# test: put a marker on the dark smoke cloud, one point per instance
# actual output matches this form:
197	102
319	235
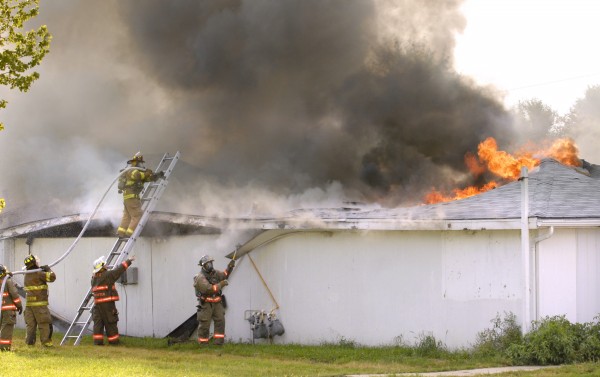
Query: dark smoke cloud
271	103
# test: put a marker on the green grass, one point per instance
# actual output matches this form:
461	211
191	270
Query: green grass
153	357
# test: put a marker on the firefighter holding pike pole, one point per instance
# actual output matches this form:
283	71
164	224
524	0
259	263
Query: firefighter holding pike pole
208	285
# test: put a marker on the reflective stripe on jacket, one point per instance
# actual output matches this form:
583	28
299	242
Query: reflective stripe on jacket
135	180
103	283
36	287
207	286
10	297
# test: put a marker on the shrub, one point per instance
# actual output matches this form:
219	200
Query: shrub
497	340
428	346
588	341
552	340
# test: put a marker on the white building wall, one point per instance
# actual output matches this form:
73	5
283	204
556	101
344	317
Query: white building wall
374	288
162	299
568	284
588	278
379	288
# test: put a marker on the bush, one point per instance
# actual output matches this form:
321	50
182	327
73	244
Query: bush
497	340
554	340
428	346
588	341
550	341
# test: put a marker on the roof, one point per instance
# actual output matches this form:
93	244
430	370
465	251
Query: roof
555	191
558	195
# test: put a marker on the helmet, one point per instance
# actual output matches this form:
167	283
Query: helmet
2	270
31	261
99	264
138	158
205	259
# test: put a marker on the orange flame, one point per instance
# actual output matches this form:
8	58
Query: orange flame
506	166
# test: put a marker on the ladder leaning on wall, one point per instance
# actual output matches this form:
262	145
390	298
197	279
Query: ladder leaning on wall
149	197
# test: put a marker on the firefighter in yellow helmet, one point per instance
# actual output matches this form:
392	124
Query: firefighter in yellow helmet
11	303
131	184
104	313
208	285
37	314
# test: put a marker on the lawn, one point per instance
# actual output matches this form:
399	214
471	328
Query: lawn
154	357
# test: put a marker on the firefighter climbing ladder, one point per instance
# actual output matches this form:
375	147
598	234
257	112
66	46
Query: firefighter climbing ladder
149	197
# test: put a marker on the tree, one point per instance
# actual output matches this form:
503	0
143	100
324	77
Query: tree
582	123
536	120
20	51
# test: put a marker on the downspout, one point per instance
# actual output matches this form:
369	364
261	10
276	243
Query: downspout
526	319
535	251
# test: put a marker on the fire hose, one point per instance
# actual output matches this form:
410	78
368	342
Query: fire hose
70	249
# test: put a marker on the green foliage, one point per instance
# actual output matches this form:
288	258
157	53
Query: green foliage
504	332
20	51
428	346
554	340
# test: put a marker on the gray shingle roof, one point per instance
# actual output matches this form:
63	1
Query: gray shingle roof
556	191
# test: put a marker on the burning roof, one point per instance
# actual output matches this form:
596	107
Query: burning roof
556	192
505	167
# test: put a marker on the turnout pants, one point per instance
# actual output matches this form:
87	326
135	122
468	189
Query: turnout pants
211	311
132	213
9	319
105	317
38	317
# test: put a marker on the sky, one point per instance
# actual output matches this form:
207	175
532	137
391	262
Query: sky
544	49
277	105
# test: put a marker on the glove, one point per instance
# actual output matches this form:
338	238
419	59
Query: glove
223	283
231	264
45	268
161	174
20	310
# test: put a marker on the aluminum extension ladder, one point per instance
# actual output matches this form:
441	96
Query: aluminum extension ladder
149	197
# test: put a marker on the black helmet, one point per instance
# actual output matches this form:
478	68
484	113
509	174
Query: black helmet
31	261
206	263
2	270
205	259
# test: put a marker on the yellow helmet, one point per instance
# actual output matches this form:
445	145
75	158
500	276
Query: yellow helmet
137	158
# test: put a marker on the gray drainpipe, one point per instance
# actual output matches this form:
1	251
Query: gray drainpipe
526	319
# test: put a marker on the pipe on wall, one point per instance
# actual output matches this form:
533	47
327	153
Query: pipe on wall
525	250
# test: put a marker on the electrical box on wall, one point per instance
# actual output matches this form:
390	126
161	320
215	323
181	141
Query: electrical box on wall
130	276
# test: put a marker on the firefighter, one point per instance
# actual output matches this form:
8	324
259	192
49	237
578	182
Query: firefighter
11	302
131	184
104	313
37	314
209	284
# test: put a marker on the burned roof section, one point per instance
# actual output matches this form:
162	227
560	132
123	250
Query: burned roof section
555	191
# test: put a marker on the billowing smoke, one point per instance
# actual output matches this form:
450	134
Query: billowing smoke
273	104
